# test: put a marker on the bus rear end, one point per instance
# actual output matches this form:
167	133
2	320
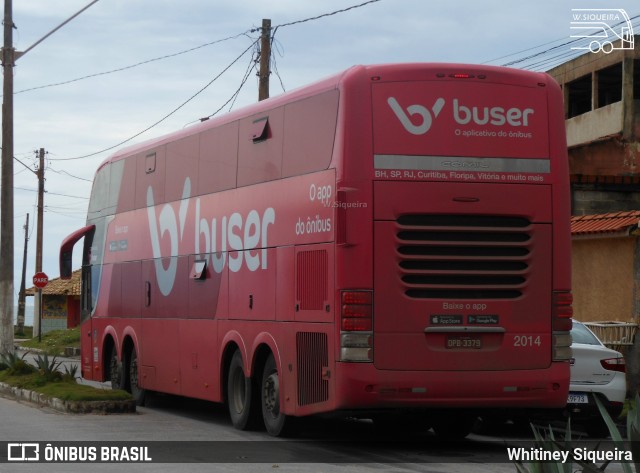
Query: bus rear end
470	303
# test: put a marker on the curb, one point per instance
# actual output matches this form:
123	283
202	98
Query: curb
67	407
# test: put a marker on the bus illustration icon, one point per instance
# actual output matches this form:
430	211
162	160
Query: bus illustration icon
608	29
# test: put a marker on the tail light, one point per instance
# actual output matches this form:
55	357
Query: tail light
356	326
561	320
614	364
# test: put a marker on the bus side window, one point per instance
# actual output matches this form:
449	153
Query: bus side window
311	120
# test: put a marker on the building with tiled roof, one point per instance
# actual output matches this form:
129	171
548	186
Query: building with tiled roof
606	266
60	302
610	224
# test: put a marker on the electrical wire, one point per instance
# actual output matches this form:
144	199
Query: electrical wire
61	171
274	65
544	63
132	66
163	118
324	15
255	58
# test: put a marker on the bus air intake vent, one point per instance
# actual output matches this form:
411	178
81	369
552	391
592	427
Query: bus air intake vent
464	256
312	359
311	279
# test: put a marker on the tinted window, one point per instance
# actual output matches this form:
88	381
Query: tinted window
581	334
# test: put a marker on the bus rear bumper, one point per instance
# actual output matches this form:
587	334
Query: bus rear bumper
362	386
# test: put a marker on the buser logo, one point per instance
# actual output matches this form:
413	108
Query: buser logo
497	116
426	120
463	115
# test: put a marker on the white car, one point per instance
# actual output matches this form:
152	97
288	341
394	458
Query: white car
595	371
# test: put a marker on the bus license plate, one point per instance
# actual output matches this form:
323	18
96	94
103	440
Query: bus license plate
577	398
463	342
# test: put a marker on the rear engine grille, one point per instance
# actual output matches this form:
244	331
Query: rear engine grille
312	358
464	256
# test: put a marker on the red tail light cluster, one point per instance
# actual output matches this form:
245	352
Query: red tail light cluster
562	311
614	364
356	326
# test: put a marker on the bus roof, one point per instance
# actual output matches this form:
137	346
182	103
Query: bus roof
385	72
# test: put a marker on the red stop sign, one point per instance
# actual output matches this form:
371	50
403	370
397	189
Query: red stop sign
40	280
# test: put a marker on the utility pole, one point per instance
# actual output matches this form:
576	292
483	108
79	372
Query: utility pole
265	60
40	218
6	187
22	296
9	55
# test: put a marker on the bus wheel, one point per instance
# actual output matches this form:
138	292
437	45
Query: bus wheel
137	392
239	393
274	420
115	370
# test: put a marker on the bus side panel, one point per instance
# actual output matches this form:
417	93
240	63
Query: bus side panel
285	289
252	294
198	355
160	324
207	290
86	347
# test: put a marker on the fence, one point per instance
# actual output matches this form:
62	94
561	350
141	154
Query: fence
616	335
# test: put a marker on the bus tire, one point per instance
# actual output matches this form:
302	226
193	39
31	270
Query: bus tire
239	393
115	370
136	391
274	420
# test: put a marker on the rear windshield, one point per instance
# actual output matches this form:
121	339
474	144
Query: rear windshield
581	334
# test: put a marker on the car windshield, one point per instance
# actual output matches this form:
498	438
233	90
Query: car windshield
581	334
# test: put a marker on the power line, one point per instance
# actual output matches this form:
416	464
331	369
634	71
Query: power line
68	174
81	217
215	78
234	96
163	118
324	15
52	193
543	58
132	66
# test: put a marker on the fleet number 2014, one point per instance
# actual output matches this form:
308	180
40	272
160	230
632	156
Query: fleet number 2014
526	341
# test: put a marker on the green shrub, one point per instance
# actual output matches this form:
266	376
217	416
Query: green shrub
48	368
70	374
15	364
546	440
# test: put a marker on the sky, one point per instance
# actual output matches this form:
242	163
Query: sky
126	66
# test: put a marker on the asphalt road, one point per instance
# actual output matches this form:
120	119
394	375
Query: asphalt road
183	432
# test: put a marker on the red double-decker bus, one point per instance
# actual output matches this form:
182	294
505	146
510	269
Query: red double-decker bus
391	240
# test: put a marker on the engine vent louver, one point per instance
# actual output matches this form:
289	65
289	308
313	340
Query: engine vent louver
463	256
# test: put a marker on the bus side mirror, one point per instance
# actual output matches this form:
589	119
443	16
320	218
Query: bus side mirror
66	250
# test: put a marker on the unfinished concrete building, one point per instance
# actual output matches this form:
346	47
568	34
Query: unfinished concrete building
602	112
